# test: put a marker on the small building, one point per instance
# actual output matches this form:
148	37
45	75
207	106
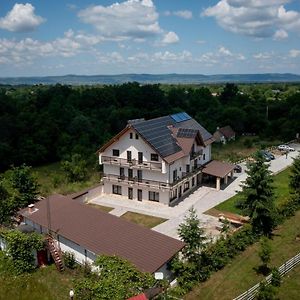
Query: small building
224	134
87	232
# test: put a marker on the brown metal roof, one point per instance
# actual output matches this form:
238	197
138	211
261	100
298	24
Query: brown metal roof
227	131
217	168
103	233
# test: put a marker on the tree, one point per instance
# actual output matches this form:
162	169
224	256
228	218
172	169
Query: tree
7	205
295	176
265	254
75	168
258	202
20	247
193	235
25	184
117	279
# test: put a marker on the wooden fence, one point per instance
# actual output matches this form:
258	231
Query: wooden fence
283	269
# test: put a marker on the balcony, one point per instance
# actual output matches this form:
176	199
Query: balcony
196	154
155	166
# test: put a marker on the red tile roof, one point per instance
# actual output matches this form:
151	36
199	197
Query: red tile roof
103	233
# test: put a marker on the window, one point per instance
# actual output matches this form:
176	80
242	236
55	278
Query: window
130	174
204	156
154	196
174	175
116	152
187	168
140	175
193	181
129	157
130	135
122	173
136	136
117	189
186	186
154	156
140	157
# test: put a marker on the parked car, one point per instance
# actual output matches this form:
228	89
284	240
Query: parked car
285	148
237	169
267	155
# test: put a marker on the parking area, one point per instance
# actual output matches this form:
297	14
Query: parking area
202	200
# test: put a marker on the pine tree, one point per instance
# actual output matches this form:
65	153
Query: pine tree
193	235
295	176
258	202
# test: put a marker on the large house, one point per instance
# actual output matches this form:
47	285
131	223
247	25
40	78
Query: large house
87	232
156	160
224	134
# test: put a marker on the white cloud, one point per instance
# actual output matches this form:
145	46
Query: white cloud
257	18
223	51
185	14
280	34
263	55
21	19
135	19
294	53
170	38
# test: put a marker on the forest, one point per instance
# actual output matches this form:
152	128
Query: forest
41	124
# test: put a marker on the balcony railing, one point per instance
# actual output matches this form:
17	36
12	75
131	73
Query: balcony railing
156	166
196	154
152	183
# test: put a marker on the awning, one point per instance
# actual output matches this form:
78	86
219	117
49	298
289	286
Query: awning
218	168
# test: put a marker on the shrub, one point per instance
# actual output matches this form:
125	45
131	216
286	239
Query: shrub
69	260
276	278
266	292
248	143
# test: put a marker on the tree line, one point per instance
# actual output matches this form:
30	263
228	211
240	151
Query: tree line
42	124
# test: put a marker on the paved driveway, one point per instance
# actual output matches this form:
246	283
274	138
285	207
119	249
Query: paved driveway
202	199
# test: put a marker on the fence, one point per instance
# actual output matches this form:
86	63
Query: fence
283	269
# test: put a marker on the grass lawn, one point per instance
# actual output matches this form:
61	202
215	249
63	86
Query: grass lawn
144	220
291	284
240	274
52	180
237	150
281	182
43	284
101	207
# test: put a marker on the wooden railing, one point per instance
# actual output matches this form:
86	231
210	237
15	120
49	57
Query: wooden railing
156	166
283	270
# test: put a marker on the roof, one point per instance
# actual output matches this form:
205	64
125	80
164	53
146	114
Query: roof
138	297
103	233
227	131
217	168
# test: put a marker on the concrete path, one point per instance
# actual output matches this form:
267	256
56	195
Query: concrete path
202	199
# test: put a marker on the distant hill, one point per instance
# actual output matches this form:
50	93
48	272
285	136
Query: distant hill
150	78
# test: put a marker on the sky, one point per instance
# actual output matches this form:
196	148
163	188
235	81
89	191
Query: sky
87	37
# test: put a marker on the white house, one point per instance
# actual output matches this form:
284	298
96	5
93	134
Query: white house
156	160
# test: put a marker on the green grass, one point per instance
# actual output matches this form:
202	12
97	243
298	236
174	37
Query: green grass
240	274
101	207
144	220
281	185
290	287
52	180
43	284
237	150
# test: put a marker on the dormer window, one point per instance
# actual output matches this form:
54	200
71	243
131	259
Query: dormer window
131	135
136	136
116	152
154	157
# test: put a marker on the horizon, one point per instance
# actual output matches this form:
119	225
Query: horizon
211	37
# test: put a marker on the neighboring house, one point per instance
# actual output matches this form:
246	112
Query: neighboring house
88	232
224	134
156	160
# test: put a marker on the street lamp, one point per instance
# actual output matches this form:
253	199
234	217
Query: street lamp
71	294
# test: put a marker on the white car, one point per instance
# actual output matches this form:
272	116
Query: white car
285	148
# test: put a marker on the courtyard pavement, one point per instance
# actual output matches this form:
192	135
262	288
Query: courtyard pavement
203	199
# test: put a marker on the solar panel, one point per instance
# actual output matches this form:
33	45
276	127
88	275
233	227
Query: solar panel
179	117
186	133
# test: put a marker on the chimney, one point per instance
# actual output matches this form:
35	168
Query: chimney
31	208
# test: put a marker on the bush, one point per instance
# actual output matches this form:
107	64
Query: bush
276	278
248	143
266	292
69	260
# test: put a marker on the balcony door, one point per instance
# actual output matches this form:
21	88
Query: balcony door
130	193
140	157
129	156
140	195
140	175
122	173
130	174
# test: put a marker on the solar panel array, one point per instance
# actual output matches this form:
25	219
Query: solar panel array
182	116
157	133
186	133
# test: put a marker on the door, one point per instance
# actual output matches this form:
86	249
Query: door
140	175
130	193
180	192
140	195
140	157
130	174
122	173
129	157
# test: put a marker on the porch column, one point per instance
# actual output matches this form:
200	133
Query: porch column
231	174
218	183
226	179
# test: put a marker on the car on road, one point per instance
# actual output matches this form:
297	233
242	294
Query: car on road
237	169
268	156
285	148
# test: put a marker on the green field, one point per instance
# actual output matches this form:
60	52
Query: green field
281	185
240	274
144	220
52	180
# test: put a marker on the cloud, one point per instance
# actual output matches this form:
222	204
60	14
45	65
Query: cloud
263	55
185	14
21	19
170	38
136	19
256	18
294	53
280	34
